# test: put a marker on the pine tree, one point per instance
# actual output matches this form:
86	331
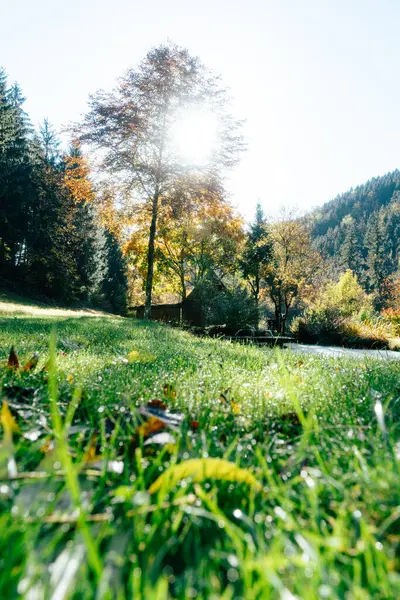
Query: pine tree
115	283
257	253
17	188
376	258
87	246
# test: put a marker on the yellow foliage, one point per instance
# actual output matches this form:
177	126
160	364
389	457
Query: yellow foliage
196	226
200	469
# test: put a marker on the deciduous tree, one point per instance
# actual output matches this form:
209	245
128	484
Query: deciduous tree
133	127
293	265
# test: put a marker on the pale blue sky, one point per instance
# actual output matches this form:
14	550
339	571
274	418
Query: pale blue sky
317	80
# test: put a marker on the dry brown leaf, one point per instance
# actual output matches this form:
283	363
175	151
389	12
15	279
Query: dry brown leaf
169	391
13	362
31	364
150	426
159	404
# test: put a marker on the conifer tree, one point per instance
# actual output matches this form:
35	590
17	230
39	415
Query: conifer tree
257	254
115	284
16	177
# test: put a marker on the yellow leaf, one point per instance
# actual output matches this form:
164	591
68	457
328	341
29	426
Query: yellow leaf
47	447
200	469
133	356
70	378
7	420
143	357
90	454
235	408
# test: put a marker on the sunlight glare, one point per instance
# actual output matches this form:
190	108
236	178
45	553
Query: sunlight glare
194	136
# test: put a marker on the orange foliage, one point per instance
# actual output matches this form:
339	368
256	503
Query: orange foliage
76	177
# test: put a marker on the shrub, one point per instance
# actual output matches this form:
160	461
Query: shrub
232	306
346	298
392	316
343	315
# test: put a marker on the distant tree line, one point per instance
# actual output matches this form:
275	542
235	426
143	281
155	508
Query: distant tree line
52	242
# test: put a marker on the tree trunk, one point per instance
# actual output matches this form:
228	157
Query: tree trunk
256	300
183	285
150	255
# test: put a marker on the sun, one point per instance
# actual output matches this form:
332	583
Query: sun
194	136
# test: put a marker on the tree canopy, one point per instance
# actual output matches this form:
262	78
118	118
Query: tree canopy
133	126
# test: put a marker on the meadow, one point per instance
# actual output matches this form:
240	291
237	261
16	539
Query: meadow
139	461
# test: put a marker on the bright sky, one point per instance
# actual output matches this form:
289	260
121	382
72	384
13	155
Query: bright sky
317	80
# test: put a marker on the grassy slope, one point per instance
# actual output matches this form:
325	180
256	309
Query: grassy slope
326	522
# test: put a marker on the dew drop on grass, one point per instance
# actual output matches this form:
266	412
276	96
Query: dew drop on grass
325	591
233	575
5	490
308	572
289	550
233	560
280	513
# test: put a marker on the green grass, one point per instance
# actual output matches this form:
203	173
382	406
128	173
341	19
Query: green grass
324	524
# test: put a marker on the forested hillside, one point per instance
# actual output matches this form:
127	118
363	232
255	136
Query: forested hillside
360	230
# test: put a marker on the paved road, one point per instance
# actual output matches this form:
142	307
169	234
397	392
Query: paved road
335	351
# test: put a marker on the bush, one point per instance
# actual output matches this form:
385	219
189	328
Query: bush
346	298
343	315
233	306
392	316
341	332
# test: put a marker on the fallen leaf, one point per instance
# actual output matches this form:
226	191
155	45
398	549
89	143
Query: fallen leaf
150	426
169	391
31	364
90	454
13	362
169	418
159	404
144	357
200	469
8	422
235	408
47	447
133	356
